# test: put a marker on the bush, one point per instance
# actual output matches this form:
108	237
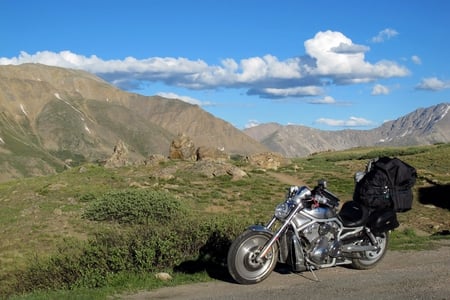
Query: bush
135	207
136	249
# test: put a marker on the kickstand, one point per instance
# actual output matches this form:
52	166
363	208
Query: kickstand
311	269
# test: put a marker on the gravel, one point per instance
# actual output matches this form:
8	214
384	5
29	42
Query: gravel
400	275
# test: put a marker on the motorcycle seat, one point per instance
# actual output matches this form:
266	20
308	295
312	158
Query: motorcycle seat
353	214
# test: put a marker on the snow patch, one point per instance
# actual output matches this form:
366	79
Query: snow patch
87	128
405	133
60	98
445	112
2	141
77	110
23	110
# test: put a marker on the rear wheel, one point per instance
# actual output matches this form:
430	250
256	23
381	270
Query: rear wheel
370	258
241	260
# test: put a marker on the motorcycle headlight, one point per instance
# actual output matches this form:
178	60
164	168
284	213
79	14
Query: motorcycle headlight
282	210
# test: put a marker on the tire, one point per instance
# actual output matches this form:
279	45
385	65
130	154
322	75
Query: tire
371	258
241	262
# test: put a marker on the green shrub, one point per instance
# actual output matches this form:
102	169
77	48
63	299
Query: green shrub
135	207
134	250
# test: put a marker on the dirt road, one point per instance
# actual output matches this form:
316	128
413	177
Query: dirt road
401	275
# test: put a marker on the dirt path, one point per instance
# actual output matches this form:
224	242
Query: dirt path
287	179
401	275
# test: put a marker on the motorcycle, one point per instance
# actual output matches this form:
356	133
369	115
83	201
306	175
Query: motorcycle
307	232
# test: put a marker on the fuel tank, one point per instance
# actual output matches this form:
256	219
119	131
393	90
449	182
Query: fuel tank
321	212
308	214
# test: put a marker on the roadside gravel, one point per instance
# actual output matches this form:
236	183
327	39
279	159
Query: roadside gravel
401	275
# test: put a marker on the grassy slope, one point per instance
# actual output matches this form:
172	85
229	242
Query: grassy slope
37	213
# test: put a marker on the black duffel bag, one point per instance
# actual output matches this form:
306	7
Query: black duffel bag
387	183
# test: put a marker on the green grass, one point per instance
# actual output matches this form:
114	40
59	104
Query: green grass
38	213
131	283
408	239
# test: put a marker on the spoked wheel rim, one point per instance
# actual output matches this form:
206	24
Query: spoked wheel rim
372	256
247	266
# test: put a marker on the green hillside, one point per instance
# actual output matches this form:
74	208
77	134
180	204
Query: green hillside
41	217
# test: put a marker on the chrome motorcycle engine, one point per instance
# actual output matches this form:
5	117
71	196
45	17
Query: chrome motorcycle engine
323	243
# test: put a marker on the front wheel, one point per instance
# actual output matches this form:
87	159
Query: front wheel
370	258
241	260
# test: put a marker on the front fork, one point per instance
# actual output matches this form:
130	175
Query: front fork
263	253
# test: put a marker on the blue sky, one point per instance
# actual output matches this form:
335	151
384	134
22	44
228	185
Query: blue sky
324	64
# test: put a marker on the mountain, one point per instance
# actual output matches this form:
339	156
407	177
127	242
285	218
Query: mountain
53	117
50	115
423	126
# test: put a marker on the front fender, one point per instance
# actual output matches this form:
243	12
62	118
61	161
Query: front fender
259	228
283	250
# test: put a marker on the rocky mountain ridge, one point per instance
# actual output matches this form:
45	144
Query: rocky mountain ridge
52	118
420	127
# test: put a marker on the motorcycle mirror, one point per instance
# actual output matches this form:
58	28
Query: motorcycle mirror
322	183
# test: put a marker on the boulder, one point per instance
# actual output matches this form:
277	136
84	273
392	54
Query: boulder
163	276
154	159
210	153
119	157
212	169
267	160
182	147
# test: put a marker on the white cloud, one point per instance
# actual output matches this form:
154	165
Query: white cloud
324	100
186	99
416	59
293	92
433	84
384	34
351	122
350	48
252	123
379	89
330	58
347	68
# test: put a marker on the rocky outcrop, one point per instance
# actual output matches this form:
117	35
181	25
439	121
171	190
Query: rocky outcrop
182	147
154	159
119	157
267	160
209	153
212	169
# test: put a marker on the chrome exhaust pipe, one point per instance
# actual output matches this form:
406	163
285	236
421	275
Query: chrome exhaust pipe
358	248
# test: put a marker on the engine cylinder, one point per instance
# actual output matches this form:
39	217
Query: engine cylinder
320	251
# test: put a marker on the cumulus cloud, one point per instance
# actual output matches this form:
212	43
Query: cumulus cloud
349	49
344	67
351	122
324	100
252	123
287	92
416	59
379	89
384	34
433	84
331	58
186	99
